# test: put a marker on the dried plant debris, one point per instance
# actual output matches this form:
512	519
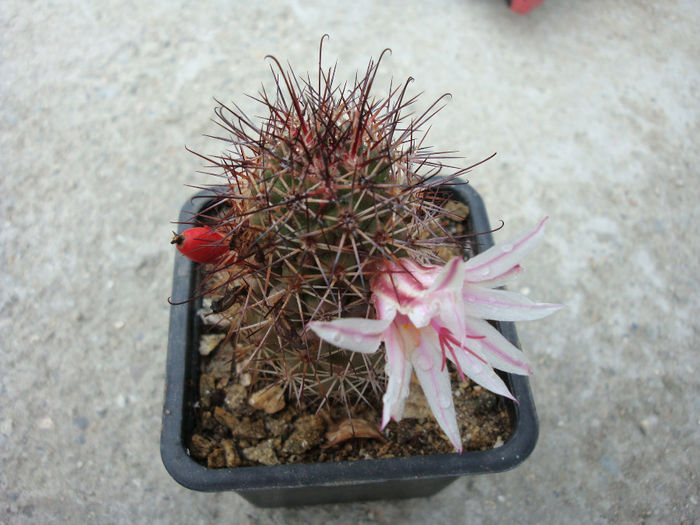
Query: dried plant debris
352	428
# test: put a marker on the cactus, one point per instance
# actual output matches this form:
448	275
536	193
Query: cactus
331	182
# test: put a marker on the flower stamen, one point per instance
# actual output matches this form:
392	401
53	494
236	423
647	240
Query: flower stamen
449	341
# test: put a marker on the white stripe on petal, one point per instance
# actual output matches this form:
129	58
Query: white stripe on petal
398	283
385	309
425	274
427	361
480	372
358	335
496	349
398	371
502	279
451	277
501	305
501	258
421	312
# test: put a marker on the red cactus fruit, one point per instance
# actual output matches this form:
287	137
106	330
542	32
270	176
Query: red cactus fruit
201	244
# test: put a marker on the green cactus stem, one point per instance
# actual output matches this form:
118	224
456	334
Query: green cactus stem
331	182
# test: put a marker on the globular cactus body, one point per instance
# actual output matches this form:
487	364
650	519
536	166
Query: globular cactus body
330	183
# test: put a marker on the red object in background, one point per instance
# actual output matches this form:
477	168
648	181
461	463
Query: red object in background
524	6
202	245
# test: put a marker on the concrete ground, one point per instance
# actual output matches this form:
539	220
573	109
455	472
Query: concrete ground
593	108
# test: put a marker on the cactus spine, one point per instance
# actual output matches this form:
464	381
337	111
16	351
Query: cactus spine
332	182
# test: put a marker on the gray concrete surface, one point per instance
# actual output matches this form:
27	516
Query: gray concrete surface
593	109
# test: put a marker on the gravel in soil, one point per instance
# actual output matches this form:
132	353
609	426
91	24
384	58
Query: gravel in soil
230	432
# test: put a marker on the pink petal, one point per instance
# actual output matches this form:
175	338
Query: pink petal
422	311
451	316
425	274
502	279
398	284
501	258
501	305
443	297
480	373
358	335
451	276
404	288
398	371
386	309
398	289
496	349
427	361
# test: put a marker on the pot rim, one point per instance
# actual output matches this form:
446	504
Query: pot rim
191	474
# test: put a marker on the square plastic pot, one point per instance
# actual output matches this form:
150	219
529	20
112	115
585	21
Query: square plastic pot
332	482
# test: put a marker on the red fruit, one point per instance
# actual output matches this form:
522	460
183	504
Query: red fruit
202	245
524	6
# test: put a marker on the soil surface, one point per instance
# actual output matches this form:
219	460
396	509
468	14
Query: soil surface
230	432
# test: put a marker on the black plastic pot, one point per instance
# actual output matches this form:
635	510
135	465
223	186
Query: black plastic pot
306	484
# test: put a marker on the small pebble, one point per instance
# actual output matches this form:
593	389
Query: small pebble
207	343
235	396
6	426
226	419
276	427
244	379
308	432
647	423
121	401
269	399
200	447
263	452
46	423
207	387
230	454
217	459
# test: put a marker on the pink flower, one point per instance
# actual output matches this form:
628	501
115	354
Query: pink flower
429	314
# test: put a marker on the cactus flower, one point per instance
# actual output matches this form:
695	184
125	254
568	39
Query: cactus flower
429	314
